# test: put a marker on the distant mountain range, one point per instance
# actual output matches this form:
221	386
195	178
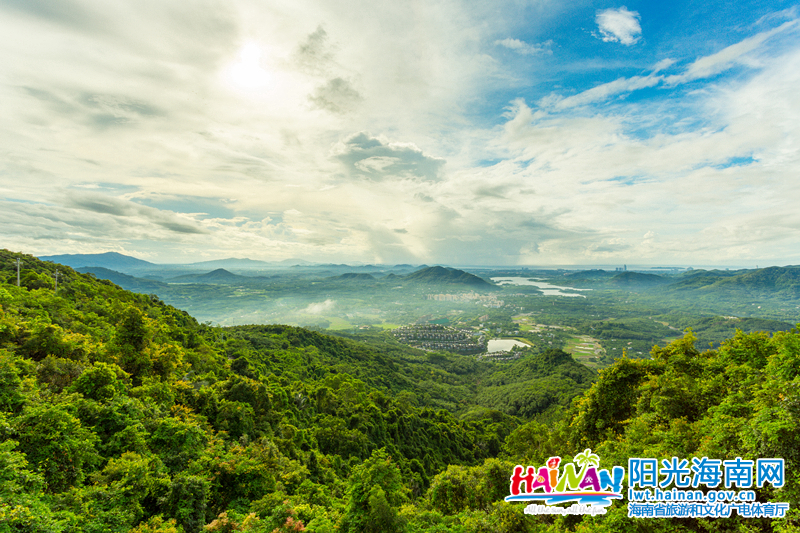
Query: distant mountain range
233	262
436	275
781	282
110	260
428	276
125	281
132	265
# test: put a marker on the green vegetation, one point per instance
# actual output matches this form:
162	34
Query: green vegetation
121	413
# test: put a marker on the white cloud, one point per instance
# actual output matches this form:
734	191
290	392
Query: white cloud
701	68
523	48
711	65
141	101
720	193
619	25
377	158
115	207
604	91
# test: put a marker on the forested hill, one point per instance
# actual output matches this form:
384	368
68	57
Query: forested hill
131	283
119	410
445	275
773	281
119	413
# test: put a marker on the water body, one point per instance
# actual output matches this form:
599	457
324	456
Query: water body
546	288
503	345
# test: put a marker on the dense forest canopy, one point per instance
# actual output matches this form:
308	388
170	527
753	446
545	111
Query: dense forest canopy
121	413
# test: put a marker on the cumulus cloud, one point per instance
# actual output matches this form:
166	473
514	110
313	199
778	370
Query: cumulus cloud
377	158
336	96
523	48
619	25
603	163
139	99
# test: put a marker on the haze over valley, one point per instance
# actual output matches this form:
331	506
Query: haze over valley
594	314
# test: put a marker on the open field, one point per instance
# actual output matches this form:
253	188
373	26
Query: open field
586	350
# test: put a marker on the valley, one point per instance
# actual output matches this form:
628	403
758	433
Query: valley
596	315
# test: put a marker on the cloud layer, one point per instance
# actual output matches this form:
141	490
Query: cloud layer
446	132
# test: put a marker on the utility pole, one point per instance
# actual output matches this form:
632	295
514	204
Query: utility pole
18	263
56	291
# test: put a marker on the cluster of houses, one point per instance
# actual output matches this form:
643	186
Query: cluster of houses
437	337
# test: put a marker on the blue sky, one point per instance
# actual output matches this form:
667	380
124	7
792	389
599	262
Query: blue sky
507	133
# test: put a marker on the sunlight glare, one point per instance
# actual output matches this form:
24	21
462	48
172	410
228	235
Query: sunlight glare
247	73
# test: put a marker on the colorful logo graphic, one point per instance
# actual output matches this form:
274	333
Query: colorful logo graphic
581	481
702	488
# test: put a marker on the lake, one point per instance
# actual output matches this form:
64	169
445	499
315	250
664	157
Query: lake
547	289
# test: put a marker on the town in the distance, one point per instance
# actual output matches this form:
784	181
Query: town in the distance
595	314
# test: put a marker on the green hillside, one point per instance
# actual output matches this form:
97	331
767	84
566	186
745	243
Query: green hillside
119	413
772	282
444	275
125	281
637	279
356	276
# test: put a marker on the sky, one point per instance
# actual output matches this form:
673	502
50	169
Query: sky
451	132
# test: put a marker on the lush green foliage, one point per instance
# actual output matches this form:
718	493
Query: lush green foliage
121	413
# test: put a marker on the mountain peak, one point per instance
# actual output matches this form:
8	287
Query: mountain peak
440	274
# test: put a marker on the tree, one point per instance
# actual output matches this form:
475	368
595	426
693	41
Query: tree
11	397
132	337
100	382
56	444
376	492
186	502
